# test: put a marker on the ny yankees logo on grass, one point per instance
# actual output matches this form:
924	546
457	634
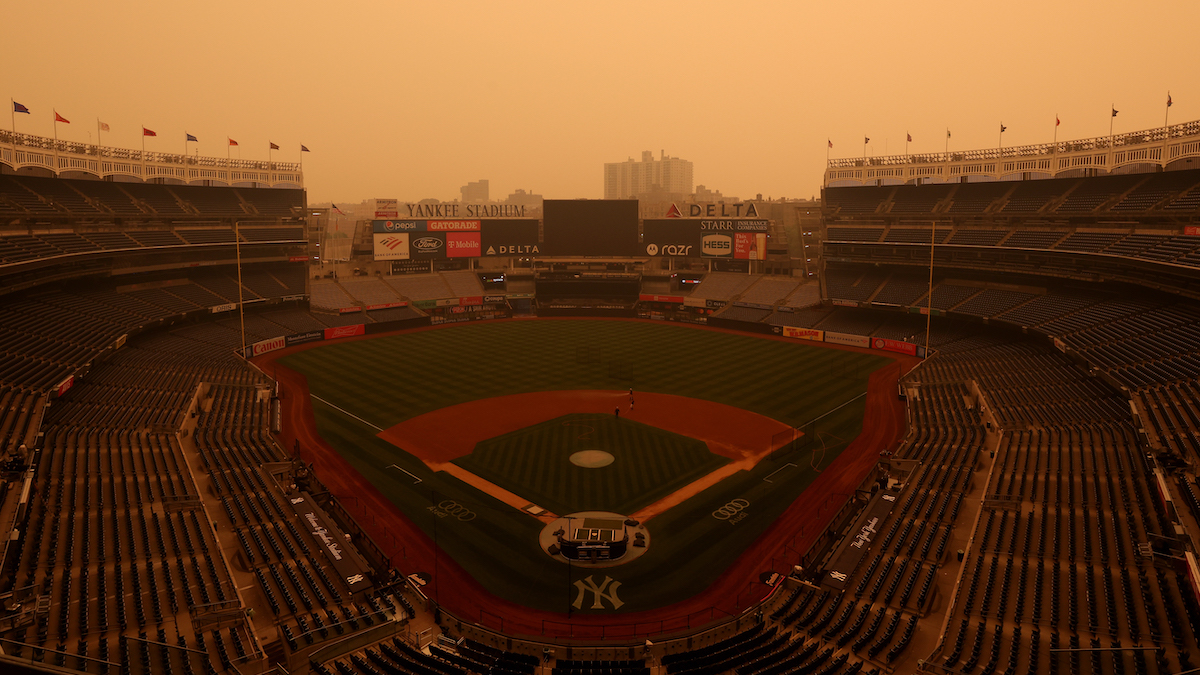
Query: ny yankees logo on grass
586	585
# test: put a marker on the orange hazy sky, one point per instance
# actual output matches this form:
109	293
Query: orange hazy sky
413	100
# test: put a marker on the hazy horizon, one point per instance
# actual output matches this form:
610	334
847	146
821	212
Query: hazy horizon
414	100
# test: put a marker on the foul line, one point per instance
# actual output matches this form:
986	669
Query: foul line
815	419
344	412
414	476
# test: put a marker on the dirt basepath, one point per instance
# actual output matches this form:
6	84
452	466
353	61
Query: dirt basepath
737	588
742	436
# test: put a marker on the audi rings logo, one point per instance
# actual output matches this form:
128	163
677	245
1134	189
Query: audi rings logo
457	510
731	509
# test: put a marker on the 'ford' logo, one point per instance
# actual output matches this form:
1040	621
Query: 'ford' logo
427	244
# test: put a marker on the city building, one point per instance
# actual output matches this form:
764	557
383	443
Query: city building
475	193
632	179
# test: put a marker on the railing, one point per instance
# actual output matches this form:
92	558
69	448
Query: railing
1105	154
20	151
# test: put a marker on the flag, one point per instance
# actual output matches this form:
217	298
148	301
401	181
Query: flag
335	208
910	138
1057	121
1168	99
104	126
273	146
60	118
1115	111
17	107
829	142
231	141
304	149
190	138
147	132
866	139
1003	128
947	133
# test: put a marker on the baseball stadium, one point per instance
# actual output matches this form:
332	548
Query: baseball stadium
943	419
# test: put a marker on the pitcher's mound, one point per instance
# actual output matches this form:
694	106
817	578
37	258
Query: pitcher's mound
591	459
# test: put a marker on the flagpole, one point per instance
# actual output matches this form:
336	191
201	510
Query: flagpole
55	143
1054	151
143	153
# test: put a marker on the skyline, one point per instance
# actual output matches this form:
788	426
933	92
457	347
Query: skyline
413	101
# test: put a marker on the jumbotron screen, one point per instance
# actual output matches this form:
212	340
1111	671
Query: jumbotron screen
590	227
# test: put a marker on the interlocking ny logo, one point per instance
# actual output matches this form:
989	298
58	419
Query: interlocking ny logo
586	586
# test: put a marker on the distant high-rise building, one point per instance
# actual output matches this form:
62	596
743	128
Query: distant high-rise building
631	179
476	192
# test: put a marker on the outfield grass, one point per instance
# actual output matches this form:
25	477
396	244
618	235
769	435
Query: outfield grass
387	380
534	462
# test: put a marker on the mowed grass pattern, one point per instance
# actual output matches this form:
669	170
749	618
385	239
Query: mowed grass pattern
390	379
535	463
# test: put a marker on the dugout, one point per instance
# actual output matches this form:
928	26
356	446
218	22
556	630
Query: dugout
580	293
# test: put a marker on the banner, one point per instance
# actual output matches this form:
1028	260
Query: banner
803	333
387	208
463	245
749	245
268	345
493	298
673	299
65	386
391	246
120	342
1192	230
1060	345
227	307
348	310
471	300
695	302
714	304
386	305
301	338
344	331
845	303
847	339
894	346
673	236
388	226
297	258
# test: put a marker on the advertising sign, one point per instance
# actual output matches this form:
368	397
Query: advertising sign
344	331
674	299
393	246
1192	230
847	339
426	225
462	245
301	338
387	305
65	386
268	345
803	333
674	237
227	307
898	346
387	208
471	300
716	246
749	245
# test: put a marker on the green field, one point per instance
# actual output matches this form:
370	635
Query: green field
534	462
390	379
